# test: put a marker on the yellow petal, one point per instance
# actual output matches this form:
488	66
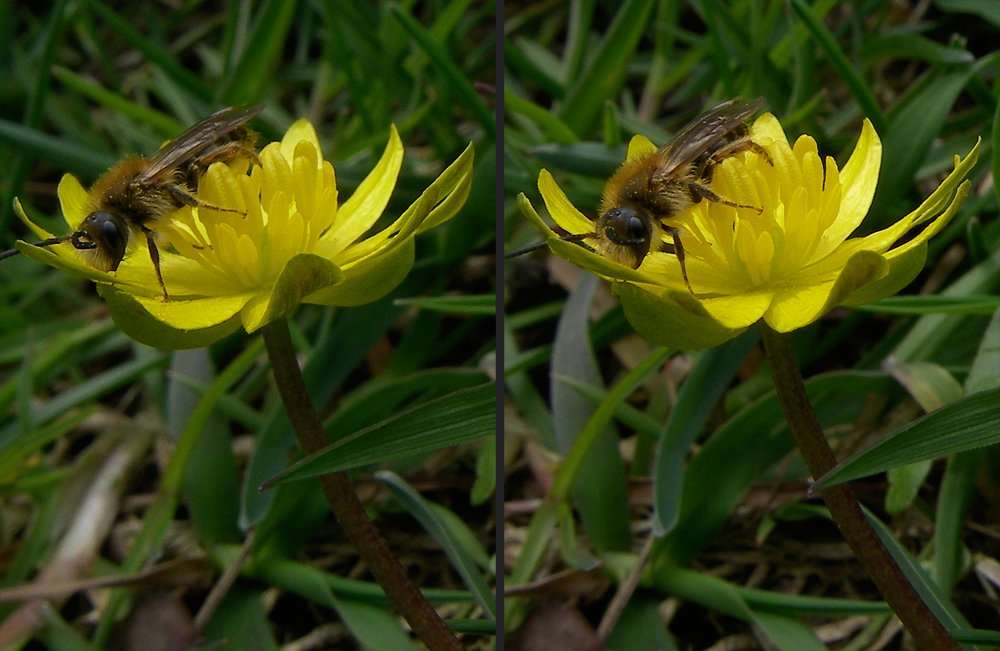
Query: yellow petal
300	131
739	311
665	322
801	304
399	232
303	275
597	264
902	270
368	280
362	210
528	210
174	325
880	241
453	185
858	180
766	129
638	147
64	256
39	232
559	206
75	201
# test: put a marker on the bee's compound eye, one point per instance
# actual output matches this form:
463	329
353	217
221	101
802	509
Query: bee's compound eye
626	227
106	232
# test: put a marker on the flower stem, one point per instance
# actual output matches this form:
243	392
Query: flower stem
916	617
350	513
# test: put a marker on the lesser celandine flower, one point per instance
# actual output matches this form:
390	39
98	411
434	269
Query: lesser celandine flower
788	265
293	244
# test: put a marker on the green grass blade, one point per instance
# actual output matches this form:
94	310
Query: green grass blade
241	621
593	470
698	396
161	513
451	533
581	110
943	609
860	89
786	633
57	151
934	332
249	79
52	40
459	417
554	128
995	141
458	81
112	100
99	385
525	395
933	304
983	373
909	136
747	444
153	51
956	495
967	424
479	304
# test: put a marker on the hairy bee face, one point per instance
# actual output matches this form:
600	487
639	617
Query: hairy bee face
624	234
105	236
647	192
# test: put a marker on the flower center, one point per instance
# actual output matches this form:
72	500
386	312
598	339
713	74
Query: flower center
799	200
276	212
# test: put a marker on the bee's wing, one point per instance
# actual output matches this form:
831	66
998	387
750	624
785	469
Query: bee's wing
194	141
696	138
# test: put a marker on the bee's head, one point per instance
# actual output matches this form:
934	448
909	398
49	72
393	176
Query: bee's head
625	234
105	234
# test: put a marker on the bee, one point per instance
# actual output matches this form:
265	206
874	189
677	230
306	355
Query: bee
647	192
128	200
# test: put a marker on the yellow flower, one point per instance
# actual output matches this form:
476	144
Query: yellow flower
293	244
788	265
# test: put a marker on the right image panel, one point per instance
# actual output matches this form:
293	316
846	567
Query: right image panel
751	327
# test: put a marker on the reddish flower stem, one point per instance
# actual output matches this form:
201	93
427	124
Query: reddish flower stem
916	617
350	513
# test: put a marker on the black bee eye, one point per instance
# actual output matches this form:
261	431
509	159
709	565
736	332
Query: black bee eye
625	227
110	232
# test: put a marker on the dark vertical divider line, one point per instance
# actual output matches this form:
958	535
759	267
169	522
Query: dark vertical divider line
499	149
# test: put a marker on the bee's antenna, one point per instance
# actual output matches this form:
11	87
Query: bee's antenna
49	242
578	237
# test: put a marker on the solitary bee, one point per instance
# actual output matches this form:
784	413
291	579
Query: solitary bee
129	199
646	192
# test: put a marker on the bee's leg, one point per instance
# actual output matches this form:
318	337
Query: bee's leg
678	250
188	199
225	153
737	146
154	254
699	192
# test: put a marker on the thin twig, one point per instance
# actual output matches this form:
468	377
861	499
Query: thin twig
624	593
222	586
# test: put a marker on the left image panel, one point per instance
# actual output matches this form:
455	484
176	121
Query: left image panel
247	326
